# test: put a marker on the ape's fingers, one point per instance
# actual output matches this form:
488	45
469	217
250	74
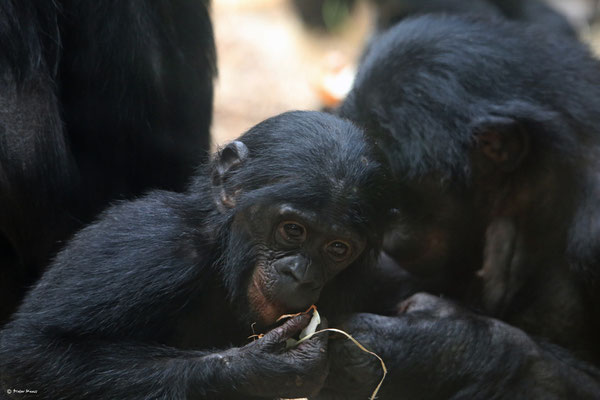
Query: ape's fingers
290	328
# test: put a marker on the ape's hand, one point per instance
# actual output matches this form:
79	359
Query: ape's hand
271	370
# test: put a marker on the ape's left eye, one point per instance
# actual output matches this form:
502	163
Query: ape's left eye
338	250
292	231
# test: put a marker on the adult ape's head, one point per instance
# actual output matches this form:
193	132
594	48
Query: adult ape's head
390	12
299	199
481	122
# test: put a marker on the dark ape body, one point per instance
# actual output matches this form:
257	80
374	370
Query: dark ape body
100	100
158	297
491	130
390	12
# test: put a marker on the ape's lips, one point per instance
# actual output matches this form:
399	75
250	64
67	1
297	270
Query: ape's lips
266	310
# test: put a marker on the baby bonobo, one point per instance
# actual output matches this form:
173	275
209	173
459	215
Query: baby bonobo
158	297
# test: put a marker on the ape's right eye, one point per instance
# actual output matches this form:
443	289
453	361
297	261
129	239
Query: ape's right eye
292	231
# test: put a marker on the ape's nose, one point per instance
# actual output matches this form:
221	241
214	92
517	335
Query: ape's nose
295	268
299	283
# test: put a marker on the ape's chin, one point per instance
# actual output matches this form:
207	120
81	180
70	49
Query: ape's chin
262	309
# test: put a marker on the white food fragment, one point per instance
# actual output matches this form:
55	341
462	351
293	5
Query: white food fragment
309	330
312	325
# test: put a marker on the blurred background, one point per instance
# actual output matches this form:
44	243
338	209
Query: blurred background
271	60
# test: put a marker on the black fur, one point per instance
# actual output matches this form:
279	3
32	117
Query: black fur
317	13
536	12
100	101
491	129
137	303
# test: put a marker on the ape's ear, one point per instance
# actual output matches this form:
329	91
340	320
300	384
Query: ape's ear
501	140
228	158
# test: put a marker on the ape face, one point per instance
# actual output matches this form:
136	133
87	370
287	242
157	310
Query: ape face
294	193
436	227
296	252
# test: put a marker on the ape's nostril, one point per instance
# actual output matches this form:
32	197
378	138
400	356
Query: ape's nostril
291	273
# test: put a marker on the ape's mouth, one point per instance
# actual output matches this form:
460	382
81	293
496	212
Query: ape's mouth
266	310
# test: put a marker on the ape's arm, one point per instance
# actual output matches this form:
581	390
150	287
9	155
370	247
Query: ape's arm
62	366
435	350
100	323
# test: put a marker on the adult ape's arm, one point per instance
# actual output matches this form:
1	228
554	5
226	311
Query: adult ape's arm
92	326
435	350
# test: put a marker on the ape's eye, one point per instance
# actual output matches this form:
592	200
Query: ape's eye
292	231
338	250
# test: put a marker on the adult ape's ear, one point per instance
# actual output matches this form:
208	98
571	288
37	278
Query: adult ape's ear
502	140
228	158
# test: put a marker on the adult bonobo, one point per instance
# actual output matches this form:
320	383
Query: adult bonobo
492	132
99	100
137	303
390	12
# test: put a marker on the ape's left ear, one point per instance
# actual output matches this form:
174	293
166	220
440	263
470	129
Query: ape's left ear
228	158
502	140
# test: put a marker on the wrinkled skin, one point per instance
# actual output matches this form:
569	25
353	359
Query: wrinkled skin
295	372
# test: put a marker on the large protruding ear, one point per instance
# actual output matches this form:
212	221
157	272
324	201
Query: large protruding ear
228	158
501	140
